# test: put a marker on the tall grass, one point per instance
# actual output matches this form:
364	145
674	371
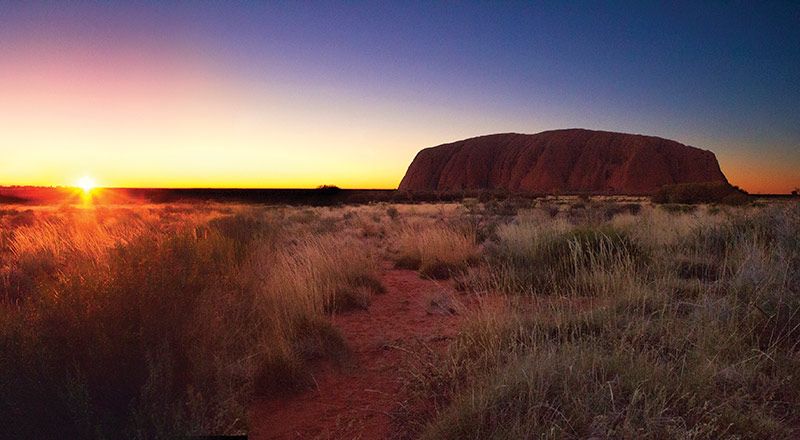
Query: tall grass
324	274
659	353
119	325
155	322
437	251
301	285
556	258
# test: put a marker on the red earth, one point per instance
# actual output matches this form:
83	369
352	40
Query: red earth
561	161
357	401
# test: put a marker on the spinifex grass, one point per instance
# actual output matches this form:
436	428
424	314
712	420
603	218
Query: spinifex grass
646	349
160	321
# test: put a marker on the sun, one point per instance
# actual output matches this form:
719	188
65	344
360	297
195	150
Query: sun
87	184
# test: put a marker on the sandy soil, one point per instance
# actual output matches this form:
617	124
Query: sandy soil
355	402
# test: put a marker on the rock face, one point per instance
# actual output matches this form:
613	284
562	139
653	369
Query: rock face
561	161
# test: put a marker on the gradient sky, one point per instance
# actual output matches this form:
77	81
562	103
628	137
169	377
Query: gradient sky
299	94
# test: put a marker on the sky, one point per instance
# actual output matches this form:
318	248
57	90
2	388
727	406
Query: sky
305	93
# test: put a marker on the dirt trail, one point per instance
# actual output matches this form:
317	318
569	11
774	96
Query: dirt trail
355	403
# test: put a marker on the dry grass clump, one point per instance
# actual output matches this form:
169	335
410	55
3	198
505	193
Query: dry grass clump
557	258
145	334
115	344
35	250
85	235
163	323
322	274
596	212
642	360
437	251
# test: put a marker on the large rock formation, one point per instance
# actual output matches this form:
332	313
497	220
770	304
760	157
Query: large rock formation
563	161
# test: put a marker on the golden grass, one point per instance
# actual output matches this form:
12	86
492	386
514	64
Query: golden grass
170	319
594	321
654	350
437	251
321	274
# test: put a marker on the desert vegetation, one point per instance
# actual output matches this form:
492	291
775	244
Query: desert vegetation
580	316
692	193
661	325
159	321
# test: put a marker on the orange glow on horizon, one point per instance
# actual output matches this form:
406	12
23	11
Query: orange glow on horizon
173	122
167	120
757	174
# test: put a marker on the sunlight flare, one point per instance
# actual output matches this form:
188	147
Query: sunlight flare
87	184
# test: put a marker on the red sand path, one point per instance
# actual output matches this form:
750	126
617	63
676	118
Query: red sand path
356	402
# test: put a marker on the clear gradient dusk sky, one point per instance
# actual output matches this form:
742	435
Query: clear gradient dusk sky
302	93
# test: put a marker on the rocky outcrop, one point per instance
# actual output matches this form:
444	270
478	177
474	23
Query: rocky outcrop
561	161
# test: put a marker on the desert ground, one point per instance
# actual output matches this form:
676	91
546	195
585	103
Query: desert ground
554	317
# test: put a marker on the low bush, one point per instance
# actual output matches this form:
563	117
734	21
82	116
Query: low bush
676	208
694	193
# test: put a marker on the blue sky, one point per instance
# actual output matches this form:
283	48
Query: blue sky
388	78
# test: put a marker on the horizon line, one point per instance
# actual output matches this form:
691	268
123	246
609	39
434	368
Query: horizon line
72	187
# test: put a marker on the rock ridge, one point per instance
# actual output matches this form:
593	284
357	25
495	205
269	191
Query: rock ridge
561	161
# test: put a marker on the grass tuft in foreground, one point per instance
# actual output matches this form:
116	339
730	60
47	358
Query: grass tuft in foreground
166	321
